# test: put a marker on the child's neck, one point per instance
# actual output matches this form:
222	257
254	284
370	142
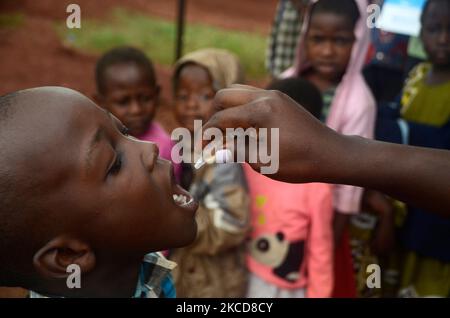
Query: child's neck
438	75
121	280
322	83
118	280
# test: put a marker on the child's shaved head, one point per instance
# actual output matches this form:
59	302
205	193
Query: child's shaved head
30	173
127	87
18	192
75	190
123	55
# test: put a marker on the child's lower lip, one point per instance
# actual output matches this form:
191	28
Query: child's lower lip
135	126
327	68
190	205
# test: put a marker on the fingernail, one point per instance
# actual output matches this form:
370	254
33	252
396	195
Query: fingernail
200	163
204	160
223	156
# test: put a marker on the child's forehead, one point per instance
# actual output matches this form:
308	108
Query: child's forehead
193	67
437	10
330	21
194	72
127	70
127	76
121	67
49	129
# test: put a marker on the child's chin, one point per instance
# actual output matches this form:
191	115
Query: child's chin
190	128
189	236
137	131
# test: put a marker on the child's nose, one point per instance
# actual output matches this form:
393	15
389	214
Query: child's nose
135	106
192	102
444	37
328	48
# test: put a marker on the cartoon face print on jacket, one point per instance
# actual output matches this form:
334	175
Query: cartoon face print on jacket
284	257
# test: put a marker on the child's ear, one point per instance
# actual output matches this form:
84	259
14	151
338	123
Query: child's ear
53	258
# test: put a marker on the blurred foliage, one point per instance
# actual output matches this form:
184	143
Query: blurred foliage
156	37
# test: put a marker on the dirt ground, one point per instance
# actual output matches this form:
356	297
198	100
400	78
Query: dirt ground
32	54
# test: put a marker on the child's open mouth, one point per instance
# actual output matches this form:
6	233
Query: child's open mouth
181	197
182	200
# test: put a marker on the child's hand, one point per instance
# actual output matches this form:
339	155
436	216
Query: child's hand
384	235
377	202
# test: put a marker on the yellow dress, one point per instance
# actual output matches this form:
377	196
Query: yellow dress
423	103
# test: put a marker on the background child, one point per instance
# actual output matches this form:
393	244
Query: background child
127	87
291	248
386	62
422	119
75	189
331	54
372	233
426	100
214	265
426	95
283	39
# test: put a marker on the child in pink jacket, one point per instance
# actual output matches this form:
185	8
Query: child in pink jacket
291	248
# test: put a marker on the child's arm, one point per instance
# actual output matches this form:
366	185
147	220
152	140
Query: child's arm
320	243
223	215
384	236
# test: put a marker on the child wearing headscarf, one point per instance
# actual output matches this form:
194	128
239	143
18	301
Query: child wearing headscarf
214	265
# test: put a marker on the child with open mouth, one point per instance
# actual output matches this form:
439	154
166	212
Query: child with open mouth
77	189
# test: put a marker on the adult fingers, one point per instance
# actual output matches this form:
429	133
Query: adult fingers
236	95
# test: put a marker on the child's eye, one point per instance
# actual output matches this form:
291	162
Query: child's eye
146	98
117	165
317	39
206	97
342	41
123	101
433	28
182	97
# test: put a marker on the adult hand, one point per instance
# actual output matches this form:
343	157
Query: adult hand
305	144
311	152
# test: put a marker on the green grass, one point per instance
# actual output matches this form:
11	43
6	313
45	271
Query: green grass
157	38
11	20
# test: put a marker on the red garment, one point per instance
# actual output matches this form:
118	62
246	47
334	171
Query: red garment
344	276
